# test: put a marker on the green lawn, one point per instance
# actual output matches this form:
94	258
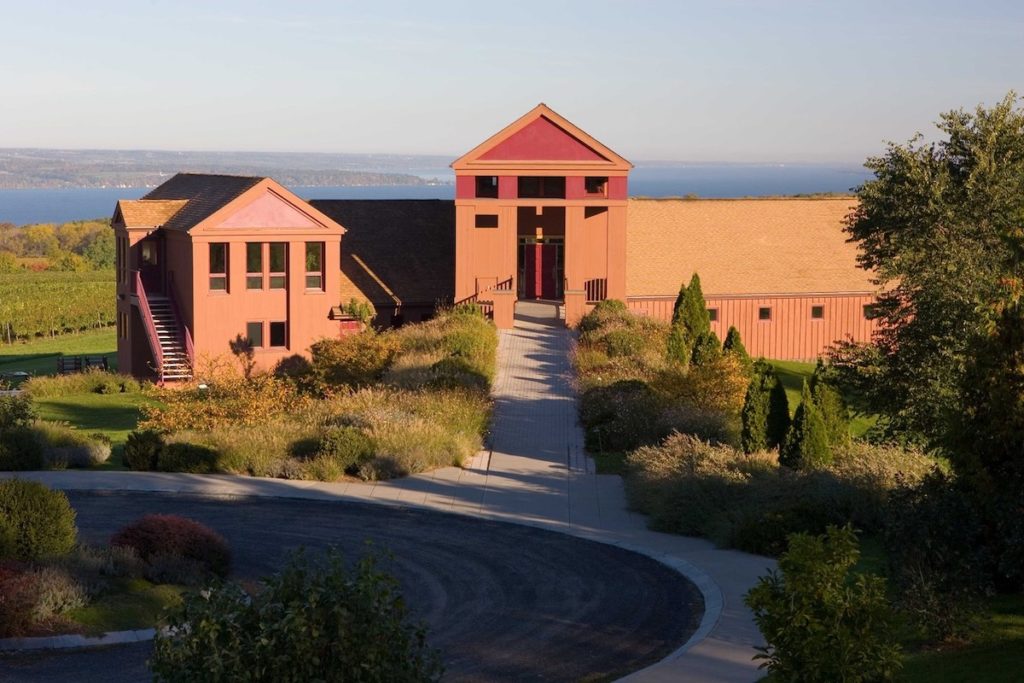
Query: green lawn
128	605
792	375
39	356
114	415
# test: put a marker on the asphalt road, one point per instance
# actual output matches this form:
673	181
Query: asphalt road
502	602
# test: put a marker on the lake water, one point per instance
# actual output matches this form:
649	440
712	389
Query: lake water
705	180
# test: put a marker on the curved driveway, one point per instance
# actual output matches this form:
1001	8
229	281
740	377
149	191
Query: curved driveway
502	602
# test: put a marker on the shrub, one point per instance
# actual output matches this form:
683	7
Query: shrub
91	381
341	450
806	443
56	592
186	456
733	345
831	406
64	446
18	595
154	536
934	538
142	449
765	410
20	449
355	360
601	314
620	417
16	411
313	621
42	520
820	624
706	349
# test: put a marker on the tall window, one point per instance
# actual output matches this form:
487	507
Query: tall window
254	265
278	265
315	265
122	259
254	333
219	266
278	334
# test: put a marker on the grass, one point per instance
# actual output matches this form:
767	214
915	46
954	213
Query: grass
39	356
114	415
792	375
130	604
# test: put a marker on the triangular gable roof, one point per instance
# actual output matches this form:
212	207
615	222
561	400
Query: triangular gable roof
541	137
268	205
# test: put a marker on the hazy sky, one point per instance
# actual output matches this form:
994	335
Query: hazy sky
735	80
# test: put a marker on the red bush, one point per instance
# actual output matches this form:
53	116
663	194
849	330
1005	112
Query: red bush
18	596
172	535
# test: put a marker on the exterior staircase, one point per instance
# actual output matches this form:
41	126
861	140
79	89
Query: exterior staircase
175	365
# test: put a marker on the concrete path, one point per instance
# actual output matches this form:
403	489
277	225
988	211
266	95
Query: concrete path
537	473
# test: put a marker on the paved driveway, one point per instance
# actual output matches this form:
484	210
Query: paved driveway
503	602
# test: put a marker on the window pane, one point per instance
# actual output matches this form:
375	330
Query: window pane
314	282
764	314
254	282
277	260
254	257
278	281
254	333
219	282
277	334
314	256
713	314
817	312
218	258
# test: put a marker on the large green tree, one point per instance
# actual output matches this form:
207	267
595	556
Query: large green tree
939	224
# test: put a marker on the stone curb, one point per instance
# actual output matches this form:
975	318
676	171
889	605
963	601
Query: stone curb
75	641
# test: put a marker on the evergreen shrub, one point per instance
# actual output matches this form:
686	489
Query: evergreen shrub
42	520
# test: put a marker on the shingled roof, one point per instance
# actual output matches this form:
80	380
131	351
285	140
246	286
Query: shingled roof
148	212
206	193
395	251
741	246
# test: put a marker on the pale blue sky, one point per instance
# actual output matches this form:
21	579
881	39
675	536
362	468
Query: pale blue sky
735	80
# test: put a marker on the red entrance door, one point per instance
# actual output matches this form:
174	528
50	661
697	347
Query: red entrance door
540	262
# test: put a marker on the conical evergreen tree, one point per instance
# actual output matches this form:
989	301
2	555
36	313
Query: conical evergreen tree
831	406
695	311
778	413
806	445
734	346
754	436
706	348
677	309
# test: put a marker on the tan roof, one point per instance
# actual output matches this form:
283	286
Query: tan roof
148	212
741	246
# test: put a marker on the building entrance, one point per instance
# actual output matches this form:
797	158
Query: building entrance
541	268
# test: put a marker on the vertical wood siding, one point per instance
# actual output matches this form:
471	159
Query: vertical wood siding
791	334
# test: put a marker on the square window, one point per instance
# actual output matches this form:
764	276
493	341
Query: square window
254	333
817	312
487	186
254	282
278	282
713	314
764	313
278	334
595	185
869	312
487	220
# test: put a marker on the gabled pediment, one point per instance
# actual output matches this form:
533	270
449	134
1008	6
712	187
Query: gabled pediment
267	211
268	206
543	137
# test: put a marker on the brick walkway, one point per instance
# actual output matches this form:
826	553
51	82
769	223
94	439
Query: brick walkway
535	472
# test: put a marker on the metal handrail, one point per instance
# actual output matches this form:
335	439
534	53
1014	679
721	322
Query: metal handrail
185	333
147	319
